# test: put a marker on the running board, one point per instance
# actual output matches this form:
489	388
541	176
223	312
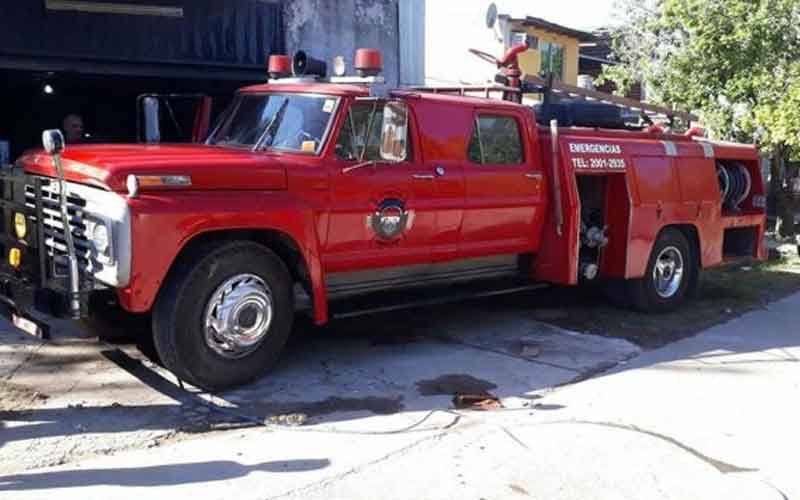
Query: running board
397	301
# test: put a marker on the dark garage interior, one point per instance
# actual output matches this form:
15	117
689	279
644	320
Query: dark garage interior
100	56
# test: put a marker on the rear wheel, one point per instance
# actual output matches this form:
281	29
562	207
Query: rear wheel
224	315
670	278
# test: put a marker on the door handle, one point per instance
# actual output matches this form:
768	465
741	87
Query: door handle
437	172
537	177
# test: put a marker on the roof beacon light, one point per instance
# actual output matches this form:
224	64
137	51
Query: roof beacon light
368	62
279	66
339	66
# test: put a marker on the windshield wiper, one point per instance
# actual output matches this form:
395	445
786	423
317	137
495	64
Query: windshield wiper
272	127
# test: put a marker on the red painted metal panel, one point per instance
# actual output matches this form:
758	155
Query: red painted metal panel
618	210
211	167
443	144
504	203
163	223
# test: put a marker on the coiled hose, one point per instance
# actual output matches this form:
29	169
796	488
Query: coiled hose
735	183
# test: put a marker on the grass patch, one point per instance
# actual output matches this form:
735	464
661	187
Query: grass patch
723	294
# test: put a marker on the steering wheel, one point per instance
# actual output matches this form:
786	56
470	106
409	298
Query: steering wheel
485	56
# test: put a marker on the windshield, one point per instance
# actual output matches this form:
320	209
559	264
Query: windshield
282	121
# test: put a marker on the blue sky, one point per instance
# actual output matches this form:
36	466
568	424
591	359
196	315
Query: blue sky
581	14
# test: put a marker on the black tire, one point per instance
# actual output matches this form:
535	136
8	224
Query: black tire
643	294
178	315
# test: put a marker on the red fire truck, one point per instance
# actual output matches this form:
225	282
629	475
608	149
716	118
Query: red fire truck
328	189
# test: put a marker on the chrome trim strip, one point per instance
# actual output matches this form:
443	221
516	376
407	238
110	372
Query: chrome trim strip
670	148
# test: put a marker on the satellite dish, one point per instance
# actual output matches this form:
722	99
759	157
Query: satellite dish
491	15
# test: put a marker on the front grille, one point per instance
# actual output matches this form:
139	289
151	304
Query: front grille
54	242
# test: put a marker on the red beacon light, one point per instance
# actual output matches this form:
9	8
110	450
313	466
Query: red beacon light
368	62
279	66
696	132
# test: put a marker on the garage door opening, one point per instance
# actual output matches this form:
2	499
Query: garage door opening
35	101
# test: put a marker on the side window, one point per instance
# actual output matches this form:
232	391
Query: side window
362	127
552	59
496	141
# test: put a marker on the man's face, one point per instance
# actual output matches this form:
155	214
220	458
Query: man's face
73	128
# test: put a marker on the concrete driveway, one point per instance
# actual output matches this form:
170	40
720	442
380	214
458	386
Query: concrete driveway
70	400
709	417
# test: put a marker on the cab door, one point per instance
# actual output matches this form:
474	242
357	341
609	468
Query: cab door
380	211
505	190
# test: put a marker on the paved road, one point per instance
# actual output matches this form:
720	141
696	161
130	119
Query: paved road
709	417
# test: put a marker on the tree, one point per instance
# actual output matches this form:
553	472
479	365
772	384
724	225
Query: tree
734	62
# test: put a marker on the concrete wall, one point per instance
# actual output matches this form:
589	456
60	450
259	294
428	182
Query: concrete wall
412	42
451	28
329	28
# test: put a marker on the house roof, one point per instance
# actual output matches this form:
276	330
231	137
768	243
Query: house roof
537	22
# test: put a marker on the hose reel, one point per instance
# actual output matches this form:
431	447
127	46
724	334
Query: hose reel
735	183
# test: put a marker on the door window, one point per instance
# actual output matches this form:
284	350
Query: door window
496	141
362	128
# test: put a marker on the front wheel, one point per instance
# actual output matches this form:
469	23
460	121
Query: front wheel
224	315
670	278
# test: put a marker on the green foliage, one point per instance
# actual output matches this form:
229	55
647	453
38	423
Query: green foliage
735	62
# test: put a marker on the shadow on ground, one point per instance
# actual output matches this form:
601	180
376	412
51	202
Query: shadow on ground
159	475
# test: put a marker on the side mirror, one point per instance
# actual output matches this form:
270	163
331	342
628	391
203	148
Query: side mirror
152	116
202	119
53	141
394	133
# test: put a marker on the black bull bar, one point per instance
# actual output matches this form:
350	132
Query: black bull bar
32	291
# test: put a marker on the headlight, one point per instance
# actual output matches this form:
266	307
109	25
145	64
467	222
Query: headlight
100	238
20	225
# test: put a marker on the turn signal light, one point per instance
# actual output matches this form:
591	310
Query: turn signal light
164	180
20	225
15	258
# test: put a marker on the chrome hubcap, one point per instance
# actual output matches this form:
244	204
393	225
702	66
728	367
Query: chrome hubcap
668	272
238	316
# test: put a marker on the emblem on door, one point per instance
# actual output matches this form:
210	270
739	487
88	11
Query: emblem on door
390	220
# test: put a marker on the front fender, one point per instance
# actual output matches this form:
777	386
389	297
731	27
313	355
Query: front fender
163	224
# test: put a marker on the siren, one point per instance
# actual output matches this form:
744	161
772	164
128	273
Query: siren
304	65
368	62
279	66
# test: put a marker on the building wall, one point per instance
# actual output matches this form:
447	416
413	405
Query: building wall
326	29
452	28
530	61
412	42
